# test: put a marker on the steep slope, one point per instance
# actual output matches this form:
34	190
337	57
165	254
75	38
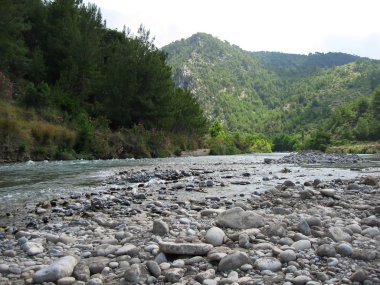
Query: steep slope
230	83
267	91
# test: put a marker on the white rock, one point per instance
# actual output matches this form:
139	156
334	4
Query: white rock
32	248
60	268
215	236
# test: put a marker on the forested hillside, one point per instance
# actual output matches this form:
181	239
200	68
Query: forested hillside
71	87
270	92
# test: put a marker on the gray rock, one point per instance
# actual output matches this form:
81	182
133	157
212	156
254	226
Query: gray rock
244	240
210	282
128	249
306	194
371	232
337	234
355	228
344	249
82	272
97	264
326	250
160	228
153	268
4	268
132	274
353	186
60	268
281	211
106	249
32	248
302	245
208	274
301	280
9	253
304	228
371	221
371	181
215	236
268	263
237	218
274	229
174	274
160	258
66	281
313	221
328	192
363	254
185	248
359	276
287	255
233	261
95	281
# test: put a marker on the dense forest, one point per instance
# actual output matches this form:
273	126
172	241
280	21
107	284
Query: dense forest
70	87
296	101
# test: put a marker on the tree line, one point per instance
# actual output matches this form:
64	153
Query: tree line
69	68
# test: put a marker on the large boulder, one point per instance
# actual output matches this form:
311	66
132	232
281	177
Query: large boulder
60	268
237	218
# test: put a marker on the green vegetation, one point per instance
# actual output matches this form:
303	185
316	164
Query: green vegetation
70	87
299	101
222	142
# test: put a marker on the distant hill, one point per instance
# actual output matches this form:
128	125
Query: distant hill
268	92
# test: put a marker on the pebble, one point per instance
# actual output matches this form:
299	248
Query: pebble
302	245
268	263
215	236
326	250
287	230
233	261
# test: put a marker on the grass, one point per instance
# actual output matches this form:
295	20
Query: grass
357	148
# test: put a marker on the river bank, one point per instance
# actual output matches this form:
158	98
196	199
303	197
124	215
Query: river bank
192	223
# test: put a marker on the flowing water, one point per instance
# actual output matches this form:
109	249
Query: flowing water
23	184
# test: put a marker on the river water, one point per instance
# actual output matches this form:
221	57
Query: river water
23	184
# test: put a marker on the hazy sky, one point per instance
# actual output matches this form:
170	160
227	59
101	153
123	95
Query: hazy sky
293	26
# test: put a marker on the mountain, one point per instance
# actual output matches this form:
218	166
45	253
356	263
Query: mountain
268	92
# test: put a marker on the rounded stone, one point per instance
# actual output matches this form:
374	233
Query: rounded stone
153	268
326	250
287	255
215	236
268	263
301	280
132	274
233	261
95	281
66	281
160	228
359	276
344	249
302	245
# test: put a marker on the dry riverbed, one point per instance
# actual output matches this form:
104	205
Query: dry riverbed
161	225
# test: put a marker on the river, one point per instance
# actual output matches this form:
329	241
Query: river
23	184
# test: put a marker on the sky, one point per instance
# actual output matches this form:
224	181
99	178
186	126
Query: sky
291	26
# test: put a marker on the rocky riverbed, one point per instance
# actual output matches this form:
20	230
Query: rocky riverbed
165	225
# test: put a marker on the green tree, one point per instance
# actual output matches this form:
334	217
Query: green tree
319	140
376	102
12	46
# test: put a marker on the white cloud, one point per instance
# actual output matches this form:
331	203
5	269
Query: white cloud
296	26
